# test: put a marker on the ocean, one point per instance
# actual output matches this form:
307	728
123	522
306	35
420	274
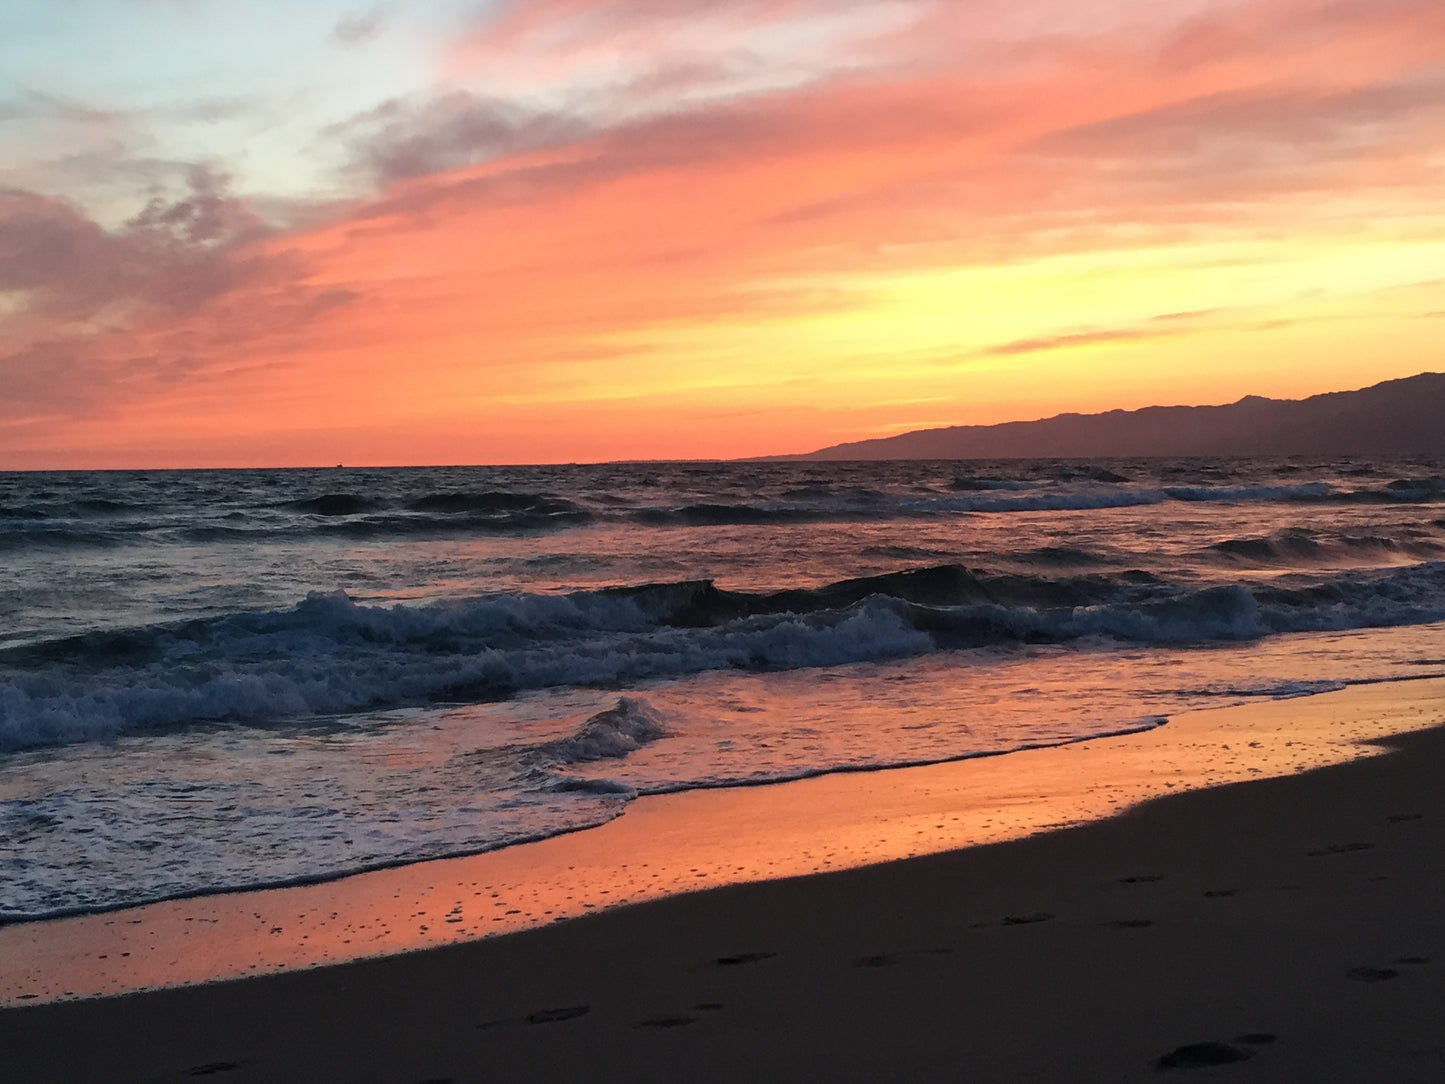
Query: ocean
217	680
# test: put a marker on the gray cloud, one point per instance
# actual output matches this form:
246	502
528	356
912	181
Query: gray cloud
400	139
175	254
359	28
192	258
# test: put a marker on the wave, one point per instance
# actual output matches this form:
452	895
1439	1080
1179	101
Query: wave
102	506
624	728
1432	486
75	508
47	535
1401	491
23	512
700	603
1058	556
1301	546
1263	689
1088	473
1309	491
1041	502
968	483
405	525
333	504
329	655
491	502
736	515
902	553
818	492
382	512
1102	489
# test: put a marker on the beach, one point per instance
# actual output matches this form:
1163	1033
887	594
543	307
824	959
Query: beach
812	541
1284	927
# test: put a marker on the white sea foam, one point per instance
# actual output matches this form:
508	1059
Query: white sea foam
195	811
1307	491
330	655
621	729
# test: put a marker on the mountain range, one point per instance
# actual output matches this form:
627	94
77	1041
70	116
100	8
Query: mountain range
1396	417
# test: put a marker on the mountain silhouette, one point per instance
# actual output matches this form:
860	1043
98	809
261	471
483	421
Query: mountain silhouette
1396	417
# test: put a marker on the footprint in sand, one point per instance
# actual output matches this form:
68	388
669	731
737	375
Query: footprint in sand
553	1016
1401	818
214	1067
1141	879
1412	960
667	1022
1372	974
1340	848
744	958
1202	1056
1220	893
1128	923
881	960
1028	919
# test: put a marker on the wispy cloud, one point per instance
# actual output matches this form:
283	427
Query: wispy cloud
1074	339
399	140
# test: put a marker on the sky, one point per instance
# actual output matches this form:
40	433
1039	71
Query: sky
523	231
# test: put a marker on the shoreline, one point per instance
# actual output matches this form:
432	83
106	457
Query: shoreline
1284	928
687	842
16	919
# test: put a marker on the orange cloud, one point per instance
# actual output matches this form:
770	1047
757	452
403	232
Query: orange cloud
767	267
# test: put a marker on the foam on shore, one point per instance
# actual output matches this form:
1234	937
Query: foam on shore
681	843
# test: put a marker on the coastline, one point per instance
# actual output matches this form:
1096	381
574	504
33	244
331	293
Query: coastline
671	844
1272	907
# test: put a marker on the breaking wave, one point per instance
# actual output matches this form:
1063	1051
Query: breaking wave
1301	546
330	655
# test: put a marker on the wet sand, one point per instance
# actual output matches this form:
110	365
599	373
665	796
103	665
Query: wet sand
1279	929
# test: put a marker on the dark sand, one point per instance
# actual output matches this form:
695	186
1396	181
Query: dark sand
1287	929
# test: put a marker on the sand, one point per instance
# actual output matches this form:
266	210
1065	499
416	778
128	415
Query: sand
1278	929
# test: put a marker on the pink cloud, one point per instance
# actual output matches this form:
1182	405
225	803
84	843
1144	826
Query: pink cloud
536	229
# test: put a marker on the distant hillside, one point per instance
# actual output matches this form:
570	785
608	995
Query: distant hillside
1397	417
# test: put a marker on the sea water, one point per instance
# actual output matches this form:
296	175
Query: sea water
213	680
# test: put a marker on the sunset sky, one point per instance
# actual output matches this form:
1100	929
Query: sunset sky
491	231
